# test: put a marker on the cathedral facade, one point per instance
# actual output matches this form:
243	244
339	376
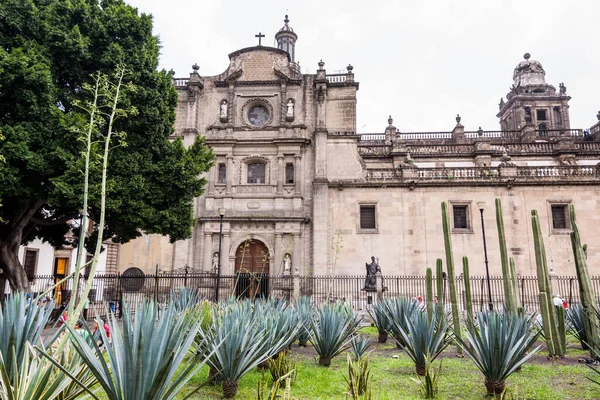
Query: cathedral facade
296	191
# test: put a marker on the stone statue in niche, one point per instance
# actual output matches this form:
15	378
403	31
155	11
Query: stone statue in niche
287	264
371	280
215	263
289	115
223	111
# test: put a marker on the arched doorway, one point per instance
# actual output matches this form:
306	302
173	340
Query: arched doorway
252	269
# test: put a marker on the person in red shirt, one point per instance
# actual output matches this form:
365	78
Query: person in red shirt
97	323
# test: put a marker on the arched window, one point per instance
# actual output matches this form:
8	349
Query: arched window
256	173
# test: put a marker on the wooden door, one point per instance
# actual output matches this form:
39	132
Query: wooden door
252	269
60	271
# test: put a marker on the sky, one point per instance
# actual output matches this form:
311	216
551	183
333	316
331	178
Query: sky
421	62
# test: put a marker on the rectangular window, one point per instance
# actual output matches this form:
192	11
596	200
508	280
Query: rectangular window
559	216
460	216
289	173
222	174
256	173
541	115
367	217
30	262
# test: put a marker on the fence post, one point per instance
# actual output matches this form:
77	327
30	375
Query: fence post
296	282
554	282
380	289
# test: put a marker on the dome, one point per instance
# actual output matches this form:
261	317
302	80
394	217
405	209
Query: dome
286	27
529	73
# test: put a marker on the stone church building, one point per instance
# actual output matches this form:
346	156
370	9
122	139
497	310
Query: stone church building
301	192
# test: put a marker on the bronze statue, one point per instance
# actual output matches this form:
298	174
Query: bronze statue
371	279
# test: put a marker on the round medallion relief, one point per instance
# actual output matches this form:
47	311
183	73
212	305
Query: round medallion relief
258	115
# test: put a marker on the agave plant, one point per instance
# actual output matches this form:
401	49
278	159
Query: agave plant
360	345
37	378
184	298
247	339
424	339
305	312
575	325
380	319
147	358
331	330
500	345
21	322
398	311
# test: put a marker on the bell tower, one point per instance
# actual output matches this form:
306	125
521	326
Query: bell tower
531	101
286	39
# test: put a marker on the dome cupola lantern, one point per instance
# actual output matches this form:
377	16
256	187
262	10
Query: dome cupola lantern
286	39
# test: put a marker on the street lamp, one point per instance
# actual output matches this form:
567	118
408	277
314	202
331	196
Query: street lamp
481	205
221	215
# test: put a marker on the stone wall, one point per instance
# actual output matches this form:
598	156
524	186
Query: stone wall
409	234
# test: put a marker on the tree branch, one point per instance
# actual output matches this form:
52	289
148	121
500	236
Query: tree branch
45	222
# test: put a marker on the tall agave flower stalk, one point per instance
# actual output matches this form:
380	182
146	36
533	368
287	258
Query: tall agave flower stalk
245	337
381	321
398	311
332	330
21	322
424	339
305	313
149	356
500	346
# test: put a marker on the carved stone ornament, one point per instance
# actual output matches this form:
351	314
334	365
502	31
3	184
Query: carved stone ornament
223	109
289	114
257	113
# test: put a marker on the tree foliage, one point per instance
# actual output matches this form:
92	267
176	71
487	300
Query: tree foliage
48	51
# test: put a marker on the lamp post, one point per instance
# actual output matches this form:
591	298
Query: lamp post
221	215
481	205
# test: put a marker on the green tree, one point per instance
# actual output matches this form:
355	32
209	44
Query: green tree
48	51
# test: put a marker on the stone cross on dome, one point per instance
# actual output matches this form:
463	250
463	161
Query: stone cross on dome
259	36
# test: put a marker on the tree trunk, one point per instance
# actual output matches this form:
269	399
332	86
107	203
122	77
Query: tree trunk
13	270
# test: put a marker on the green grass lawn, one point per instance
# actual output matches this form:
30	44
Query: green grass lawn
392	377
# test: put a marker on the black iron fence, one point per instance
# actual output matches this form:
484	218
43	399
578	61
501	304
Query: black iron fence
115	292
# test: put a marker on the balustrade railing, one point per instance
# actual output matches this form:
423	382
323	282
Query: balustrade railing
180	82
336	78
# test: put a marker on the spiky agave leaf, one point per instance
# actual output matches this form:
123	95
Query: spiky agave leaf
37	377
360	345
331	330
500	345
21	321
424	339
397	310
381	320
147	357
249	336
305	312
185	298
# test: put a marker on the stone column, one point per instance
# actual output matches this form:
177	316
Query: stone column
278	254
225	267
229	172
297	174
296	256
207	250
210	176
280	174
